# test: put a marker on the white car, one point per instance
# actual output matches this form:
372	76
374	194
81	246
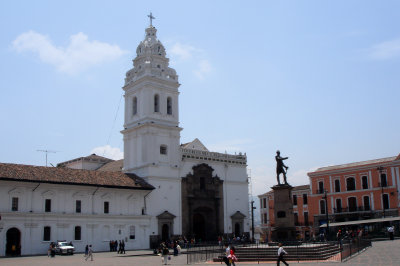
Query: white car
64	248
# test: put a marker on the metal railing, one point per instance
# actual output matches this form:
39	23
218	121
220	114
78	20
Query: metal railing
350	247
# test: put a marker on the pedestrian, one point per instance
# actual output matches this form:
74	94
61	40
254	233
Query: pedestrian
391	232
90	253
175	247
119	247
86	250
165	253
281	253
122	246
227	253
232	257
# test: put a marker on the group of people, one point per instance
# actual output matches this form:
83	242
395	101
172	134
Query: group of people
232	240
88	252
117	246
230	257
163	250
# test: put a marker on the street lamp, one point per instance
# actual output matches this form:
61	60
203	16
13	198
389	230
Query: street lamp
380	169
252	220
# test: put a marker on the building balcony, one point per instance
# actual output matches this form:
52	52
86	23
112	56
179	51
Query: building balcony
352	209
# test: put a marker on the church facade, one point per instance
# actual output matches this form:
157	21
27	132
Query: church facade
162	189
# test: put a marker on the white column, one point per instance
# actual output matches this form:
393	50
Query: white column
372	201
393	177
370	179
330	184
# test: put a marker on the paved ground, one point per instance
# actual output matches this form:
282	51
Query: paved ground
381	253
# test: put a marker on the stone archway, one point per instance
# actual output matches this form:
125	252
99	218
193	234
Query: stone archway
202	204
13	242
165	232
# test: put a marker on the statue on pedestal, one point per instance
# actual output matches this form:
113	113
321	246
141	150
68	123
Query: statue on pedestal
281	168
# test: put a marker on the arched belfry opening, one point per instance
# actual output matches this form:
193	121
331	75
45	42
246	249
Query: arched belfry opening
202	204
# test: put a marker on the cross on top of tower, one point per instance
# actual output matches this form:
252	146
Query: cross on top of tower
151	19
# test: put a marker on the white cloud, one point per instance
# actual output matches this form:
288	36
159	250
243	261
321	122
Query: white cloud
204	68
109	152
385	50
190	55
182	51
79	55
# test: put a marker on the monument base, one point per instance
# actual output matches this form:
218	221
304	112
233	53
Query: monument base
284	229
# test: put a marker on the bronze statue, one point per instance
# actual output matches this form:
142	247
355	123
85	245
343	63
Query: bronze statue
281	168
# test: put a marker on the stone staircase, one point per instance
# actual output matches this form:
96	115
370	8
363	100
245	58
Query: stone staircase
309	252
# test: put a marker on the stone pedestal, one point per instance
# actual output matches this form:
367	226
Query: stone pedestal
284	228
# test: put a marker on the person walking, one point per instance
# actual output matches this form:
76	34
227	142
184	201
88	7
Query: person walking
165	253
122	246
232	257
227	253
391	232
281	253
86	251
90	253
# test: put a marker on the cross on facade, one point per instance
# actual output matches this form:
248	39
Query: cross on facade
151	19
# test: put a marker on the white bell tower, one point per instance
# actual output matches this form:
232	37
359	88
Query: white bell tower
151	129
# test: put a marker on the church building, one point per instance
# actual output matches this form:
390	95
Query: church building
162	189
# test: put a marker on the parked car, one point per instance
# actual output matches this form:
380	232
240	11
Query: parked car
64	248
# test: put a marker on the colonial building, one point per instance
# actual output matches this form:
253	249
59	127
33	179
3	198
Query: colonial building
160	190
356	191
347	194
302	221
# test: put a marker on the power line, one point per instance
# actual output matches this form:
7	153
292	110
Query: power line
113	124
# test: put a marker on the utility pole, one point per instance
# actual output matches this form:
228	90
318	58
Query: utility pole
327	214
47	152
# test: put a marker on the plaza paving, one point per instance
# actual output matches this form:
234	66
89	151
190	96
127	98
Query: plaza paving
381	253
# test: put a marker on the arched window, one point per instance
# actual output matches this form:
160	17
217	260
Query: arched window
322	209
134	106
351	184
156	103
383	180
366	203
169	106
77	233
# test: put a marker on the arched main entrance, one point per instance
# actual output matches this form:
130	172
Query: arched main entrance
237	229
165	232
13	242
199	226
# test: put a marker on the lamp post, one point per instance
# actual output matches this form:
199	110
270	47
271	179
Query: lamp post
380	169
327	215
252	220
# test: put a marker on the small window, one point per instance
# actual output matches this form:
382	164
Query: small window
156	103
337	185
202	183
132	232
169	106
383	180
366	203
46	233
320	187
385	198
338	205
364	180
264	203
305	199
296	218
306	222
78	205
265	218
134	106
47	205
77	233
106	207
281	214
322	207
351	184
163	149
14	204
295	200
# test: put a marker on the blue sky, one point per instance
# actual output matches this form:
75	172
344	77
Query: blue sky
318	80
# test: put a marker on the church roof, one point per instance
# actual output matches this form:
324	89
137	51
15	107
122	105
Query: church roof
67	176
91	158
114	166
194	145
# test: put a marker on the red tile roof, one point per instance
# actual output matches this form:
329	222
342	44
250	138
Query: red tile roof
57	175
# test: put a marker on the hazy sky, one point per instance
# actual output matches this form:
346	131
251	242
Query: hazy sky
318	80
